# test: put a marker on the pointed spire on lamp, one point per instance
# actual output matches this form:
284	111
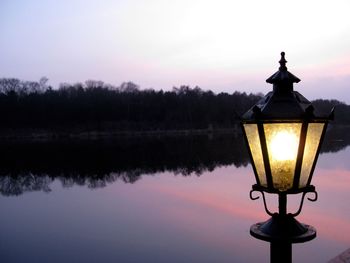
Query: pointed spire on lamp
283	62
283	79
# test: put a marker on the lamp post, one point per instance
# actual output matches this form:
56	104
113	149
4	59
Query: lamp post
284	134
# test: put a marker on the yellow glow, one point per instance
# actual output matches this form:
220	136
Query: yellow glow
313	138
284	146
282	140
252	133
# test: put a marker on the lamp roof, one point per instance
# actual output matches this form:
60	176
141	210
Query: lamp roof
282	103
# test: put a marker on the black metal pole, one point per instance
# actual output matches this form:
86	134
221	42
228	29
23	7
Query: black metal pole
282	204
281	251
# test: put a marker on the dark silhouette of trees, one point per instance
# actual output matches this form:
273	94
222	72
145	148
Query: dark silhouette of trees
98	106
95	105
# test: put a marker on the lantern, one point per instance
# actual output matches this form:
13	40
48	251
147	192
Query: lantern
284	134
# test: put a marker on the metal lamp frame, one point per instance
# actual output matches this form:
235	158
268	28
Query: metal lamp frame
283	105
295	189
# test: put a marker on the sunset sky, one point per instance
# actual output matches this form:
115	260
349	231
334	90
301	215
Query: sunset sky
218	45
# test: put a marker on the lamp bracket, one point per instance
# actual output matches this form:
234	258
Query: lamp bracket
264	200
310	189
314	199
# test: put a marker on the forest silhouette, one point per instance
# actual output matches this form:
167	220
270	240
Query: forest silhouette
95	106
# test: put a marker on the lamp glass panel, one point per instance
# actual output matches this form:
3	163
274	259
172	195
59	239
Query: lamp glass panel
313	137
282	140
251	131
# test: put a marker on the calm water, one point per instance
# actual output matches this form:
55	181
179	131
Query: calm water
161	201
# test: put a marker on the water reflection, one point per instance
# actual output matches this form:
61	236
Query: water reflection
161	218
26	167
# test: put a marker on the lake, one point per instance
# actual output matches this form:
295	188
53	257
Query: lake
156	200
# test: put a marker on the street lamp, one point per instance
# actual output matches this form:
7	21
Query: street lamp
284	134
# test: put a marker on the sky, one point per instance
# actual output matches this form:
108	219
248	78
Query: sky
221	45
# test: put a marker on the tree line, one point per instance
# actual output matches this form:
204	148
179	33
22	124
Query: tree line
95	105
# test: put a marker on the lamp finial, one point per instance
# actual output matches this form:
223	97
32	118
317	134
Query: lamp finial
283	62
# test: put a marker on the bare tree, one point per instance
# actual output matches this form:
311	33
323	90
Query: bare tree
129	87
43	84
8	85
92	84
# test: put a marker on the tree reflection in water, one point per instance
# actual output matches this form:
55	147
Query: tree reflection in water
33	166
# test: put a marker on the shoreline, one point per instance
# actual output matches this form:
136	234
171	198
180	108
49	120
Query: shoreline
66	134
45	135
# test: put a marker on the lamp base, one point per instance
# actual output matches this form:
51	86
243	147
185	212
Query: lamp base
283	228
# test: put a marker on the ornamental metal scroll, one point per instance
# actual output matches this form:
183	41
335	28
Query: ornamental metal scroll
264	200
314	199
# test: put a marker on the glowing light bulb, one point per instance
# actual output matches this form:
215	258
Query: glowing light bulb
284	146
